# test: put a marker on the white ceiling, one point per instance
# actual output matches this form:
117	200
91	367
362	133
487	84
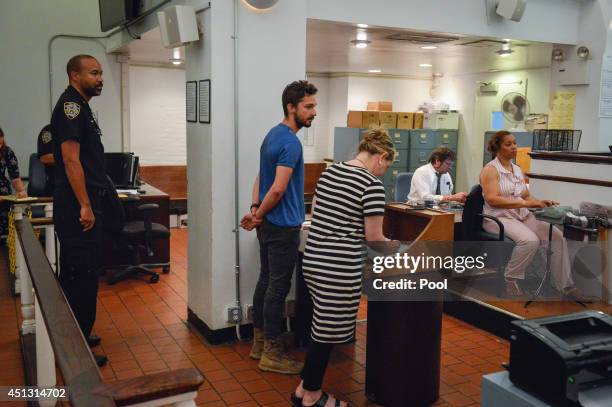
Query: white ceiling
329	50
149	50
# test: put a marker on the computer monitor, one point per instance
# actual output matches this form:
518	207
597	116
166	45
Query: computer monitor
120	168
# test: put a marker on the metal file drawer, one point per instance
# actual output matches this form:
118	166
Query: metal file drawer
447	138
401	138
418	157
401	159
391	174
423	139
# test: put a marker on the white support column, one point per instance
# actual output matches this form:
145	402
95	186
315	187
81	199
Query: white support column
45	359
19	262
50	238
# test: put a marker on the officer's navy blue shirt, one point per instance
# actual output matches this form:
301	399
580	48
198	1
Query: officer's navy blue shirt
282	147
72	119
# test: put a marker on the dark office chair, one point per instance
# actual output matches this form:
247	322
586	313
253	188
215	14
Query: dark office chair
472	231
37	177
37	184
402	186
139	235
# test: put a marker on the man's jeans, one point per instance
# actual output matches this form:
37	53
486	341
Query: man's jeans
278	249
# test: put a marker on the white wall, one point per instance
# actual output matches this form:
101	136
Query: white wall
406	94
157	115
320	126
26	27
476	108
211	147
593	32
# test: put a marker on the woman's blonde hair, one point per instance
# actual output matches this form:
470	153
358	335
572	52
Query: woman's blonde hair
377	141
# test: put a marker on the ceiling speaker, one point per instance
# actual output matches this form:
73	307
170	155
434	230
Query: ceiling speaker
511	9
178	26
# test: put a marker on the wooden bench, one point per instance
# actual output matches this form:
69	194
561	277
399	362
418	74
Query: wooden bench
172	179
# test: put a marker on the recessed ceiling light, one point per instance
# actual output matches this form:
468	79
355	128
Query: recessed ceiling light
374	71
362	25
360	43
425	65
429	47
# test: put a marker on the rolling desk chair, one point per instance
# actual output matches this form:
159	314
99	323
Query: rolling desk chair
473	232
402	186
37	177
139	235
37	183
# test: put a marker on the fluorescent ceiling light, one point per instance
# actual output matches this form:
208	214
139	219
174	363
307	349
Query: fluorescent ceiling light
362	35
362	25
176	53
429	47
176	62
374	71
425	65
359	44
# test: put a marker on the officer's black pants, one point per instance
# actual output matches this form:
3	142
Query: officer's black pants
80	258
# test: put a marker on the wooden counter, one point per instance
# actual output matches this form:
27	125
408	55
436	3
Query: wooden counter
573	178
403	338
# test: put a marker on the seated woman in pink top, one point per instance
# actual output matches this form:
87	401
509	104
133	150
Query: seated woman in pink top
507	197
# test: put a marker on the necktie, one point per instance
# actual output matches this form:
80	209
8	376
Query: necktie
439	176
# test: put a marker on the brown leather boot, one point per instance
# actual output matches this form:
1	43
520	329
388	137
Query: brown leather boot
258	344
275	359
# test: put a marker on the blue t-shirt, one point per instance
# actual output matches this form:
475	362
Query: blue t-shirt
282	147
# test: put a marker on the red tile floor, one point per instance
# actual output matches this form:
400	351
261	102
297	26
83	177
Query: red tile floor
143	331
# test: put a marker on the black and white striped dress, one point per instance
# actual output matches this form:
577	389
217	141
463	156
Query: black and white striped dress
335	250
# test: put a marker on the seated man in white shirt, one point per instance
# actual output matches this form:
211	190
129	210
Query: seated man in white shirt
432	181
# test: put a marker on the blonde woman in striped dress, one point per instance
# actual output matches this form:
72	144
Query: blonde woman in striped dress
348	210
507	198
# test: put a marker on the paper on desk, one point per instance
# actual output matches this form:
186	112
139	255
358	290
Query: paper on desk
128	191
597	397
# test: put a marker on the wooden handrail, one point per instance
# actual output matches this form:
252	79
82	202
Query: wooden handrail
151	387
72	353
79	370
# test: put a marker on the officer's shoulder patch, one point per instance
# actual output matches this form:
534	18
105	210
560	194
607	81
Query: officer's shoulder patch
72	109
46	137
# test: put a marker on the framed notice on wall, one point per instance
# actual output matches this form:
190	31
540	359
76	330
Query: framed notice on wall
205	101
191	101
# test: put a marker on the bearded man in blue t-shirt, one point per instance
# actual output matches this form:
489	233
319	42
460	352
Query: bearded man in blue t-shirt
277	211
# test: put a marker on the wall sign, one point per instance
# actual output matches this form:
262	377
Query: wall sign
205	101
191	101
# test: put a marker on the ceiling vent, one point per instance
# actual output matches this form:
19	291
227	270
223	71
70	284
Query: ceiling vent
421	38
483	43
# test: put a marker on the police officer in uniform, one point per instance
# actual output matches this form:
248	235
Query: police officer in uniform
44	151
80	183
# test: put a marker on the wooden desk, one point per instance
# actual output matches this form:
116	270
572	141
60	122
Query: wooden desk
161	247
403	338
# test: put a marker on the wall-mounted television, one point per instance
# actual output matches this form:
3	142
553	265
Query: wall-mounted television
114	13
